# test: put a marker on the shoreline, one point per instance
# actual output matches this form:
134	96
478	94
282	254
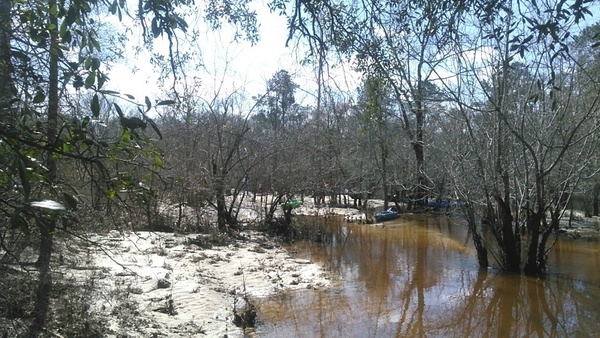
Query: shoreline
162	284
171	284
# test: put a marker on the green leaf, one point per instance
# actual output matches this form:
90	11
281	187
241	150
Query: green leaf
72	201
182	24
95	106
90	79
158	161
24	179
119	111
101	79
166	103
113	7
85	121
93	44
48	204
16	221
95	63
66	37
78	82
110	194
39	96
63	29
156	30
148	103
154	126
71	16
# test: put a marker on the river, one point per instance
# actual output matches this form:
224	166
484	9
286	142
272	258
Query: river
418	277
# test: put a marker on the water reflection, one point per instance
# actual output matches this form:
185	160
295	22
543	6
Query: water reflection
418	277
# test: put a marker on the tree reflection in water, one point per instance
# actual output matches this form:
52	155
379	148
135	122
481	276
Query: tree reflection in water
418	277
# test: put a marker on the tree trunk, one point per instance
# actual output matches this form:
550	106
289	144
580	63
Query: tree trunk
47	225
482	255
512	261
542	256
384	156
6	69
219	191
417	146
270	208
285	228
221	209
42	296
596	200
531	266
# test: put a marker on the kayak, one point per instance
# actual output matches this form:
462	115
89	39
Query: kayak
292	204
385	215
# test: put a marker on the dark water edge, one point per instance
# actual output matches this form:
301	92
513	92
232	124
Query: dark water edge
418	277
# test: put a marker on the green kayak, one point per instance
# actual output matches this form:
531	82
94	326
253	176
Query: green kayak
292	204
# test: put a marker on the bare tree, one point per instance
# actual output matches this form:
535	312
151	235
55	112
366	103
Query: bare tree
402	42
530	132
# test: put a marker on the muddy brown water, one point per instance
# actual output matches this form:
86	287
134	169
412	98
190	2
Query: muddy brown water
418	277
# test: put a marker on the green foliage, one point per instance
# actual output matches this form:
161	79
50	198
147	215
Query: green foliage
237	13
277	104
80	141
376	100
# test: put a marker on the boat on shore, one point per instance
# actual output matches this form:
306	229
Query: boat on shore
292	204
385	215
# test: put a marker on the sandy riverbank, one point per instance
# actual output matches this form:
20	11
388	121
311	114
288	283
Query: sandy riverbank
161	284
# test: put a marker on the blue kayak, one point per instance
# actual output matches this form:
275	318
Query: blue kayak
386	215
